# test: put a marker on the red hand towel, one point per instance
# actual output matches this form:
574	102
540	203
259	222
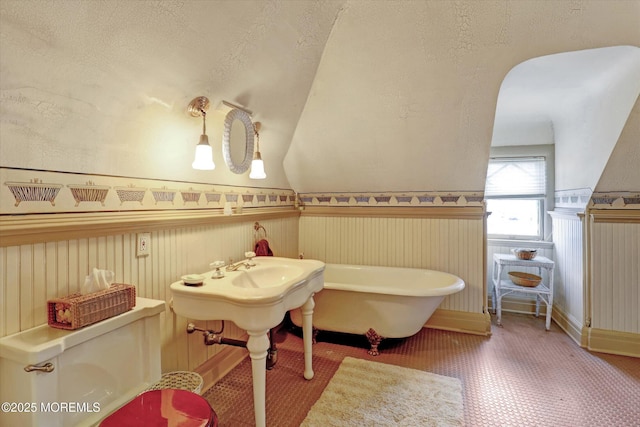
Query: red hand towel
263	249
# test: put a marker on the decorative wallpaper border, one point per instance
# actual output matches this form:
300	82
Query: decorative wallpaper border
425	199
30	191
584	197
615	200
573	199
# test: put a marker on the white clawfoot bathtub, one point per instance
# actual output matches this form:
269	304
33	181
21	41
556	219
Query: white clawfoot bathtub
379	302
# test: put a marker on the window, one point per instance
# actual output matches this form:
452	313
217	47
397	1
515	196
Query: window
515	193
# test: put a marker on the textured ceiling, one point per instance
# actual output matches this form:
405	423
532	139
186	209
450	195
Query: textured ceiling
405	95
353	95
103	86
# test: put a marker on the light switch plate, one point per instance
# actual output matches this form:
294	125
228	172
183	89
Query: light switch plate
143	246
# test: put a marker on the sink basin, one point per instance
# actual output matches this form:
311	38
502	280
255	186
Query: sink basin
257	298
268	276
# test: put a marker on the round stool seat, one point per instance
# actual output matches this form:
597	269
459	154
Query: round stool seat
162	408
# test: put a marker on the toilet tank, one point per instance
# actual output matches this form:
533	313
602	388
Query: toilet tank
96	369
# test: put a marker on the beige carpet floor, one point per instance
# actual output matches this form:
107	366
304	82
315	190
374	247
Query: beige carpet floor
367	393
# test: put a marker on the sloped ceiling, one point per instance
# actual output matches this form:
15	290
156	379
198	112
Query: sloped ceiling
579	101
353	95
103	86
622	172
405	94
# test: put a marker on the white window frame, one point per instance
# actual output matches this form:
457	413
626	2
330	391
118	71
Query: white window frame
544	200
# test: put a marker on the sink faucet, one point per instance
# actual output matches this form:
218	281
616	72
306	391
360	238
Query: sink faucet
247	264
237	265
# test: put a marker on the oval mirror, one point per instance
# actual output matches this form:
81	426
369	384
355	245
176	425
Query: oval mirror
237	141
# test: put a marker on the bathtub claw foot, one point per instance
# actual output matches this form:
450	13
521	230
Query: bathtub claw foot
374	340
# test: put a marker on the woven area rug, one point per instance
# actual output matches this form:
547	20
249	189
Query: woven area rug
365	393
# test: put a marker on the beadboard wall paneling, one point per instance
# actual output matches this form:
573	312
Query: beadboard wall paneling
569	295
30	274
615	256
451	245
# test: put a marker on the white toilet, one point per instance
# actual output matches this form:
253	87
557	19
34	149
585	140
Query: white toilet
95	372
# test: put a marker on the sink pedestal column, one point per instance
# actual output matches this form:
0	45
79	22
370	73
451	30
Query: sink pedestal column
258	345
307	336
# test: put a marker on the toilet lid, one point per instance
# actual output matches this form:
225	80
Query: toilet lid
167	407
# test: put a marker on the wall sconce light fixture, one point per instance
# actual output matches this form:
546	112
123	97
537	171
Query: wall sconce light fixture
257	165
204	153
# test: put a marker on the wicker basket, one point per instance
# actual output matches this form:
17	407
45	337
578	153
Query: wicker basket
182	380
525	279
526	254
76	311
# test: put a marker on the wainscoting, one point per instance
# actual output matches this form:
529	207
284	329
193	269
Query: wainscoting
569	299
445	239
32	273
614	281
598	278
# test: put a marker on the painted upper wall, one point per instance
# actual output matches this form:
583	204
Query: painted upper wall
405	94
622	172
103	86
586	135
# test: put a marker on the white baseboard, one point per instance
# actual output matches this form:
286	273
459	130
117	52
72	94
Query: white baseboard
460	321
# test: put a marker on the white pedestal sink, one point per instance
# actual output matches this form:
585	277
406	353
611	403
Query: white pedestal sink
256	299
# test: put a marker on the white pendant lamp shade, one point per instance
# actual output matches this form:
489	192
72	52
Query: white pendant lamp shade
204	155
257	168
257	165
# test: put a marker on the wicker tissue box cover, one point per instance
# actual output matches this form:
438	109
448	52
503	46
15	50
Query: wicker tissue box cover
76	311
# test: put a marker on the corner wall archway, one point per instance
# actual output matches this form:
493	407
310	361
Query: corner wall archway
579	101
584	104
